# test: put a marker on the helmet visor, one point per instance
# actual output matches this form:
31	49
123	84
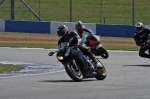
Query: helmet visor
79	26
60	34
138	29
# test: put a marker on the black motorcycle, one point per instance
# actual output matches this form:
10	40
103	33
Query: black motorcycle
77	65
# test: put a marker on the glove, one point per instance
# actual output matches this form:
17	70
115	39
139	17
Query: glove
93	33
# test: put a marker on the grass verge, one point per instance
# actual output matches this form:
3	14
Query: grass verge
50	41
9	68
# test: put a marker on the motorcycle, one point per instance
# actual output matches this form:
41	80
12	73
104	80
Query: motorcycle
77	65
147	44
94	43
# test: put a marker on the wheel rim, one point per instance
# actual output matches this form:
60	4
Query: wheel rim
104	55
76	71
101	70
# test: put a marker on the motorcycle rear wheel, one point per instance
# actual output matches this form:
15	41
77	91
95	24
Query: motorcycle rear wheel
73	73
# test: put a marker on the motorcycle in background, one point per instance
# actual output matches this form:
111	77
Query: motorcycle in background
77	65
93	41
148	45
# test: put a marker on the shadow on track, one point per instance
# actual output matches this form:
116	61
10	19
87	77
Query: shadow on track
58	81
141	65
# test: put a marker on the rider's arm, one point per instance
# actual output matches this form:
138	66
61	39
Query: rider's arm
73	39
59	41
148	30
137	41
86	29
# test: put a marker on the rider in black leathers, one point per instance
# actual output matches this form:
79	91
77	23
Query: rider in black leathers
74	39
141	37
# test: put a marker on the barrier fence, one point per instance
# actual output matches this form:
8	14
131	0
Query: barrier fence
112	30
88	11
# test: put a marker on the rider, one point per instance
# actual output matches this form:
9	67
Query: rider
73	39
80	28
141	37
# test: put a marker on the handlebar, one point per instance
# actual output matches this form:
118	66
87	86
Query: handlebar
52	53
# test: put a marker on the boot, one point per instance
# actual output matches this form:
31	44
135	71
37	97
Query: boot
96	62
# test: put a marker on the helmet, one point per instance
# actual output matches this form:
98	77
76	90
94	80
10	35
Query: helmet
78	25
139	27
62	31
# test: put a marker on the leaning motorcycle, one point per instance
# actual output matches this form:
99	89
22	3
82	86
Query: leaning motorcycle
77	65
94	43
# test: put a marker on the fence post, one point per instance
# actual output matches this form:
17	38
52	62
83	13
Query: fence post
132	12
100	10
70	10
12	9
39	8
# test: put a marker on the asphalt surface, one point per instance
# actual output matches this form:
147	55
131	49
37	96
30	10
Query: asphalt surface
128	77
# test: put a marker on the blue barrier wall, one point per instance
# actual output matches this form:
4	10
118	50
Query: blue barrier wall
71	26
115	30
27	26
46	27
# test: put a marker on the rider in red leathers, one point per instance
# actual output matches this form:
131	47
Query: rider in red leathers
80	28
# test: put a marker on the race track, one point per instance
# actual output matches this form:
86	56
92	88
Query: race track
128	77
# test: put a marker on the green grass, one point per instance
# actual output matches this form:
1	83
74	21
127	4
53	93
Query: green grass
114	11
4	68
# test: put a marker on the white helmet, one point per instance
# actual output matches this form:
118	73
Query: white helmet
139	27
78	25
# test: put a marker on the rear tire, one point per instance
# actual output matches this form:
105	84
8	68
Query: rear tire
76	75
101	73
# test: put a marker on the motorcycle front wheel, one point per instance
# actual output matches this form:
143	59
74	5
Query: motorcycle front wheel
74	71
103	53
101	73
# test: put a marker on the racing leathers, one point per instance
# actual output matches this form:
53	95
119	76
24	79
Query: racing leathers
141	40
74	39
80	31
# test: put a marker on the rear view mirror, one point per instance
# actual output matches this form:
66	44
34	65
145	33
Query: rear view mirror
51	53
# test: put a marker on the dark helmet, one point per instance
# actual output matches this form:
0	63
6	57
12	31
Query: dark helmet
62	31
78	25
139	27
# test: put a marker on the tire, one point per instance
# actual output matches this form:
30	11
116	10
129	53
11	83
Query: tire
103	53
101	73
74	74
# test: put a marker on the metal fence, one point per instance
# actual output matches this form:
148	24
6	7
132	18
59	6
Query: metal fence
89	11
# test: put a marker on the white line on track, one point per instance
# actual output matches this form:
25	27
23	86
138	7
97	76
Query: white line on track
33	74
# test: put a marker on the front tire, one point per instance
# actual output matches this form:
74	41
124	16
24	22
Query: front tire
103	53
76	75
101	73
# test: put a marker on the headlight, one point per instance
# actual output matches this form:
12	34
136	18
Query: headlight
60	58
